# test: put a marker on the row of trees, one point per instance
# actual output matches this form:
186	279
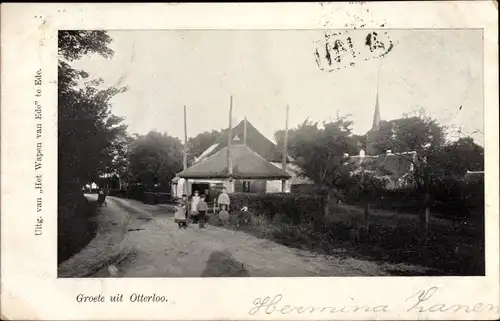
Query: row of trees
91	139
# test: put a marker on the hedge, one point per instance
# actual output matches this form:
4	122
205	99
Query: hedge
293	208
450	198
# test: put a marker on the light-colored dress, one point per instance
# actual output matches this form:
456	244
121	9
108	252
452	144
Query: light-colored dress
180	214
194	204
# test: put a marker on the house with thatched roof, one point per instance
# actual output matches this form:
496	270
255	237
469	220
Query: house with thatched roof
394	169
250	172
256	162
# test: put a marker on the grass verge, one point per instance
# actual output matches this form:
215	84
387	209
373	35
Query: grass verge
390	238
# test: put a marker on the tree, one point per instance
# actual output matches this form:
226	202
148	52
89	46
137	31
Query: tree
89	134
414	133
118	166
447	169
155	158
360	141
198	144
322	153
457	157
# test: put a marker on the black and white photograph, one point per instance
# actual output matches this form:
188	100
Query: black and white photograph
270	153
250	161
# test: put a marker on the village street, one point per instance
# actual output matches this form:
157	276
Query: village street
154	246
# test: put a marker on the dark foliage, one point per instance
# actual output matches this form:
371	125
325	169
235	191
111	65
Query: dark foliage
155	159
91	140
291	208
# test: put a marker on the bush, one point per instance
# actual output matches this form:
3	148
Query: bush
75	225
136	192
293	208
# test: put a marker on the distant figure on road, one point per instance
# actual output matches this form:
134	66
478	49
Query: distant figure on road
101	198
202	211
223	199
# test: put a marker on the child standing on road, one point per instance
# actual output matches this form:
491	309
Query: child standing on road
224	215
180	215
202	211
194	206
223	199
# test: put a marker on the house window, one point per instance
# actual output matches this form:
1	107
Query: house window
246	186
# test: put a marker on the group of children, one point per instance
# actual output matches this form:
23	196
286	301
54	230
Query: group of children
198	210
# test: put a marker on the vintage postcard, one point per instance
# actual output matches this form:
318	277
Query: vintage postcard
295	161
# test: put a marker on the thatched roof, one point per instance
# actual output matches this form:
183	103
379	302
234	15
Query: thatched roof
247	164
394	165
255	140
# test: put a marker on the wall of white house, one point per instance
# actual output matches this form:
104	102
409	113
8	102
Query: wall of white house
272	186
275	186
292	169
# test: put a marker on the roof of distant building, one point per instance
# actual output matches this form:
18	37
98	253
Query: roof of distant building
394	165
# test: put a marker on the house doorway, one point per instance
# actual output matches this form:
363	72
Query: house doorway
202	188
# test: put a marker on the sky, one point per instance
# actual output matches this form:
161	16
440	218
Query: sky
265	70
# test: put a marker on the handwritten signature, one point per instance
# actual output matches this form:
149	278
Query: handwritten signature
419	303
424	295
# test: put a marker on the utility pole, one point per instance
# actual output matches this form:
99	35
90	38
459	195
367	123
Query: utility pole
285	154
229	143
185	151
185	140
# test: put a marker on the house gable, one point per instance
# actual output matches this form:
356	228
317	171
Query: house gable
254	139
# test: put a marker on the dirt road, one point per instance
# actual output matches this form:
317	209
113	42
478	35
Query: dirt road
157	248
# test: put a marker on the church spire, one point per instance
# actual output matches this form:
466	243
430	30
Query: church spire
376	114
371	135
